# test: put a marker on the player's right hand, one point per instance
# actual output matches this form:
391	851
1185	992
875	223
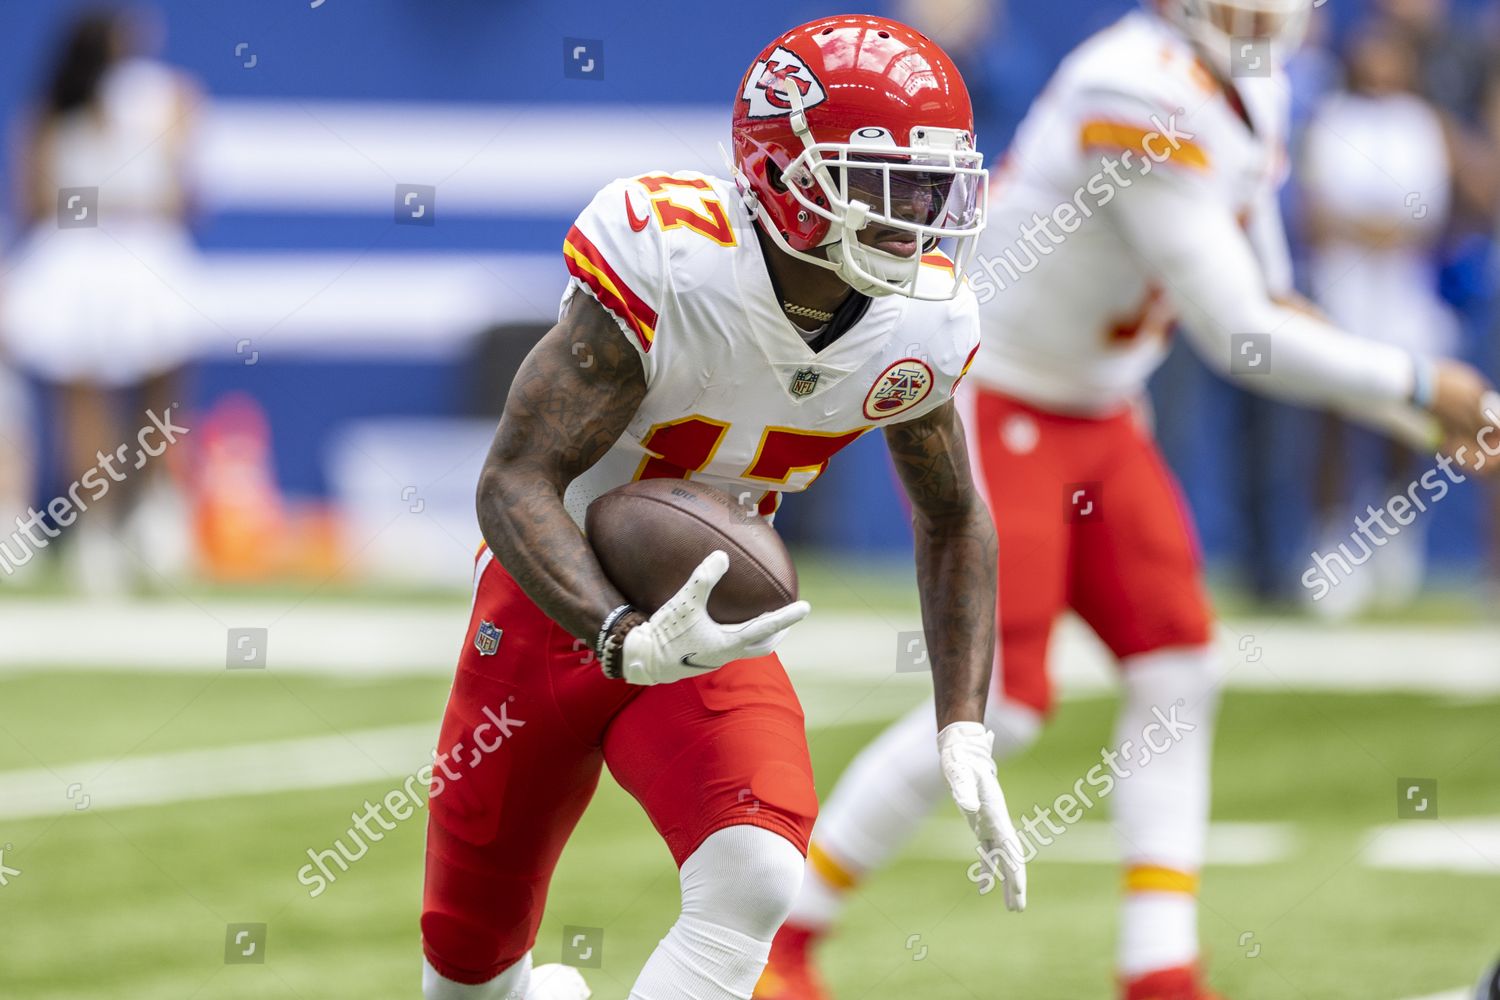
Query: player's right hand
1460	396
682	640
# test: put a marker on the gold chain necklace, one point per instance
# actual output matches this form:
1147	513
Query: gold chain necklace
820	315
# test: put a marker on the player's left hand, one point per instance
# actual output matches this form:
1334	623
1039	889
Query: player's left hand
967	751
682	639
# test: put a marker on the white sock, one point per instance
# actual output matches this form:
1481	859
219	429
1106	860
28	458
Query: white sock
1161	808
881	800
736	890
1158	930
511	984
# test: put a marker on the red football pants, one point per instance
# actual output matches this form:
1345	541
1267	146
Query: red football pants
1089	518
526	733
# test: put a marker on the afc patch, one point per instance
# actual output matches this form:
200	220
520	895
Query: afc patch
487	639
763	84
900	387
804	381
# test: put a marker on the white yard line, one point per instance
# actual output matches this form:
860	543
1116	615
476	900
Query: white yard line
352	639
393	754
1459	994
353	758
346	639
1468	846
224	772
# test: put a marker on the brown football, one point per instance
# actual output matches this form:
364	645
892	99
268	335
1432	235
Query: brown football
650	535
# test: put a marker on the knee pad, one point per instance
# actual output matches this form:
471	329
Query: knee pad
744	878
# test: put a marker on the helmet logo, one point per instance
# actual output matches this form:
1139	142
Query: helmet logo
764	87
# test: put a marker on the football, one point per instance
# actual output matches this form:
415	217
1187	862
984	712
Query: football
650	535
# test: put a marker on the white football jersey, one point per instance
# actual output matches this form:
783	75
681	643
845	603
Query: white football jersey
1073	319
735	397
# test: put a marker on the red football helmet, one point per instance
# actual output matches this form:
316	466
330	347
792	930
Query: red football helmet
853	122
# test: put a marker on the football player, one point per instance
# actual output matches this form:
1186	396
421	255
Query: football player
738	332
1141	188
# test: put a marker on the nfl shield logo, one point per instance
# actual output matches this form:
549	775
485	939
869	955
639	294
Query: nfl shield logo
487	639
804	381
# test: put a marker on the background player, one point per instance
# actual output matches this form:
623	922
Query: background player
739	333
1141	187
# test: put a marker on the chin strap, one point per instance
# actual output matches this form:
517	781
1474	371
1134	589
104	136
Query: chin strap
798	117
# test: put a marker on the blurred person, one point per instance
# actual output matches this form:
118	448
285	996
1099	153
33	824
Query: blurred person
1452	57
1456	60
17	465
1478	182
739	331
1376	177
961	27
1142	187
97	304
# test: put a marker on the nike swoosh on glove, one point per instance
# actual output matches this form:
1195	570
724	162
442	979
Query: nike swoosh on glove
967	751
682	640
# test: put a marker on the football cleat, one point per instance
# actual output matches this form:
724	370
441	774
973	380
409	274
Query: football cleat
789	973
557	982
1180	983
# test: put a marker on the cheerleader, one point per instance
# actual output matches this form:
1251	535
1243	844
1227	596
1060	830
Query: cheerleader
98	304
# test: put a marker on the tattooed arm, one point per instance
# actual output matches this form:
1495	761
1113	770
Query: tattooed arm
956	559
560	418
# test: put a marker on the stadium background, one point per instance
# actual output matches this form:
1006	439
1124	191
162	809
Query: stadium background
158	799
361	330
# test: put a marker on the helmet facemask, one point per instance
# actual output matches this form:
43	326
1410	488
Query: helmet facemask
931	189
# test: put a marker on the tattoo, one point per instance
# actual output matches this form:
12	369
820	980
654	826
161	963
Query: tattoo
572	398
933	461
956	560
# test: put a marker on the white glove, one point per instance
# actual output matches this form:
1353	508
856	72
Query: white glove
967	751
681	640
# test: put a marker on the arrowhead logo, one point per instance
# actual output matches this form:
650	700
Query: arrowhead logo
764	84
899	388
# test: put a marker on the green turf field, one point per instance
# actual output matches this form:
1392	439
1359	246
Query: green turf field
135	902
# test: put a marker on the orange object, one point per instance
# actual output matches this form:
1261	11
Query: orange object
240	518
